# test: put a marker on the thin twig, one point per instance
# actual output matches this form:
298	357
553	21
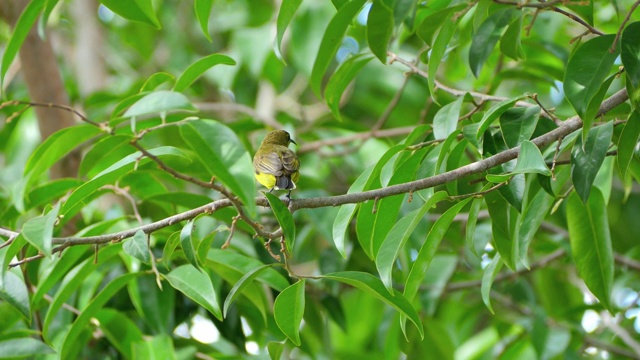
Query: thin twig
624	22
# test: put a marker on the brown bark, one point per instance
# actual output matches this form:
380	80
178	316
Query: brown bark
44	83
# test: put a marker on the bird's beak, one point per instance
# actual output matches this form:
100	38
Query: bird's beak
291	141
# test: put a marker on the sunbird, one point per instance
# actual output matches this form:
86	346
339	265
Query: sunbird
276	165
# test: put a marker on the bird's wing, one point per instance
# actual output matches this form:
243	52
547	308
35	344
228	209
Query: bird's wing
290	162
268	163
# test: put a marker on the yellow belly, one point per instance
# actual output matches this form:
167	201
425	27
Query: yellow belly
267	180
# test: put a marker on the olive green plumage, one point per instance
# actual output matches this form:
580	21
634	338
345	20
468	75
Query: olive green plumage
276	166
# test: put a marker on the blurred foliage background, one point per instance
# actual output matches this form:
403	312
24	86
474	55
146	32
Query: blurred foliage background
375	93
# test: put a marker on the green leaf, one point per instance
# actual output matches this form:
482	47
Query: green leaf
187	242
72	282
331	42
380	23
104	153
275	350
628	142
136	10
203	11
138	247
288	310
156	80
429	248
503	219
489	274
114	172
587	69
195	70
529	222
341	79
245	264
486	38
13	290
530	160
439	49
518	124
23	348
346	212
495	111
20	31
288	8
38	231
430	24
591	243
285	219
223	155
197	286
62	266
445	122
510	41
157	347
158	102
587	157
472	221
398	236
630	52
236	290
121	331
372	285
56	146
94	306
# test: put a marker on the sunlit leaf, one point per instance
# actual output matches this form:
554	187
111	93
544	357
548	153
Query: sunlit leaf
285	219
288	310
331	42
187	241
490	273
23	348
158	102
203	10
137	247
445	121
136	10
195	70
38	231
236	290
13	290
197	286
288	8
518	124
341	79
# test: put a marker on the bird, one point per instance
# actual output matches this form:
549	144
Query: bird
276	166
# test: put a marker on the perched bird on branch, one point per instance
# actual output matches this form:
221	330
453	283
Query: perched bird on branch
276	165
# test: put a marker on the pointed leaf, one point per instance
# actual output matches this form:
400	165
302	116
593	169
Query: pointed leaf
380	22
530	160
236	290
490	273
13	291
486	38
372	285
429	248
19	348
628	142
137	247
331	42
187	242
398	236
341	79
346	213
197	286
591	243
158	102
288	310
445	122
587	157
203	11
223	155
529	222
195	70
586	71
518	124
288	8
94	306
440	47
136	10
39	230
285	219
495	111
502	227
20	31
510	41
630	52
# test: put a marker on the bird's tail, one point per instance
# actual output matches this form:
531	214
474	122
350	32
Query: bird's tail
284	183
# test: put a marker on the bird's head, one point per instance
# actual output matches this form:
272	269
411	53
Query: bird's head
278	137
